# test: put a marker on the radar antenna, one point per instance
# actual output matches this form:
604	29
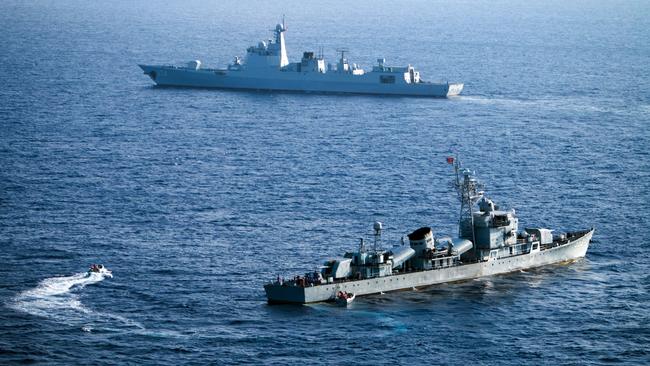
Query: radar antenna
470	191
342	65
342	51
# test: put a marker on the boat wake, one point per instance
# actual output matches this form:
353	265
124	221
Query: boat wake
57	298
578	104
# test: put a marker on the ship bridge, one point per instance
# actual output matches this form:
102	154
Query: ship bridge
268	54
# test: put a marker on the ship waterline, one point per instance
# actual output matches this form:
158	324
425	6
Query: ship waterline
281	81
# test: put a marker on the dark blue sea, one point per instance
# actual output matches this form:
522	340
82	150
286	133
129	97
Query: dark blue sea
196	198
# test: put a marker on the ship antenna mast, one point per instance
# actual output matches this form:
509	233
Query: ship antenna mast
378	226
342	51
470	191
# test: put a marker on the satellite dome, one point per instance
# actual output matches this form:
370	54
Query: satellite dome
377	226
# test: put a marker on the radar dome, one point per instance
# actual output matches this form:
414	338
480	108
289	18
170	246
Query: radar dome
378	226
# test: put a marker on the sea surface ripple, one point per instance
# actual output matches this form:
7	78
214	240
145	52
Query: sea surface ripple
195	198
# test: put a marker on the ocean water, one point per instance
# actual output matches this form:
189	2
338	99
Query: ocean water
196	198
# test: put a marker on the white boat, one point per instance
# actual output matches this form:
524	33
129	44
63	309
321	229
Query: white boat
100	269
344	298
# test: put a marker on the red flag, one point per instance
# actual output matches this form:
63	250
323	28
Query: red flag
450	160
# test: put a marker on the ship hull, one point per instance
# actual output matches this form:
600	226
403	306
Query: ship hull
301	295
294	82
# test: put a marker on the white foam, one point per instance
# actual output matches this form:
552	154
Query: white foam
61	285
57	298
550	103
54	297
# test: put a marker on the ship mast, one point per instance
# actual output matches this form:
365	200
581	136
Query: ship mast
378	227
470	191
342	65
279	40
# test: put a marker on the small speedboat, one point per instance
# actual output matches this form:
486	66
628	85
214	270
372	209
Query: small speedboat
100	269
344	298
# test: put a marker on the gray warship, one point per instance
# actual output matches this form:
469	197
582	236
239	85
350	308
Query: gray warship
267	67
489	243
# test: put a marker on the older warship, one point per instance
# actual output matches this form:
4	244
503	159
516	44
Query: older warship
489	242
267	67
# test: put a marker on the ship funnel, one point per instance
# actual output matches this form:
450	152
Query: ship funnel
421	239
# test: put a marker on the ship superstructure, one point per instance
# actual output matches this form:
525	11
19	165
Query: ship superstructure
489	242
267	67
